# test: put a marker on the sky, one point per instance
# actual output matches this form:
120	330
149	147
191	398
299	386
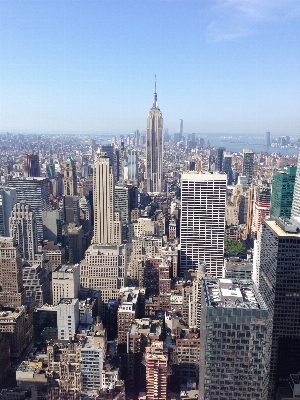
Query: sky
88	66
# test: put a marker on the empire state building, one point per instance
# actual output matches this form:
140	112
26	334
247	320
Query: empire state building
154	153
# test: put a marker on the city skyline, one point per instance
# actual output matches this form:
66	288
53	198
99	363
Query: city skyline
222	66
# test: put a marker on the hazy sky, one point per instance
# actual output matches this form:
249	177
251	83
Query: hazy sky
228	66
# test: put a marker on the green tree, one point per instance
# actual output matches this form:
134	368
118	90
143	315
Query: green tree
234	246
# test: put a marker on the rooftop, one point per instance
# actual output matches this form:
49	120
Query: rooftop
232	294
68	301
67	268
283	227
9	315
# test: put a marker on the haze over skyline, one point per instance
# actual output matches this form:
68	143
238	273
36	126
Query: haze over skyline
229	66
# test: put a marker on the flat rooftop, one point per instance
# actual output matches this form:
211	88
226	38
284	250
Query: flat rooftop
67	268
232	294
203	176
279	231
68	301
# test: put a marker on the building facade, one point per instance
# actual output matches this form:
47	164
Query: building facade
154	148
23	228
35	192
233	334
283	184
104	268
156	372
12	292
65	282
70	178
31	165
296	198
203	202
279	284
261	208
107	227
8	198
248	161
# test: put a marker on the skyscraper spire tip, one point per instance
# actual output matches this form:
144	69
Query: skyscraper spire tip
155	94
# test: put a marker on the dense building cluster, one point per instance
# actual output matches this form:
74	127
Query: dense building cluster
116	281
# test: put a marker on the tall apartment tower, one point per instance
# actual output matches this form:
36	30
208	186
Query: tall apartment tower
31	165
248	161
180	129
122	204
70	178
219	159
22	226
8	198
227	168
35	192
283	184
12	292
296	198
156	371
154	148
203	202
107	225
261	208
132	159
279	285
233	333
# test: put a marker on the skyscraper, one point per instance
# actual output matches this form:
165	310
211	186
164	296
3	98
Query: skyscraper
156	371
107	226
8	198
180	129
227	168
35	192
12	292
219	159
261	208
31	165
233	333
283	184
109	150
279	285
70	178
132	157
22	226
203	202
248	160
296	199
154	148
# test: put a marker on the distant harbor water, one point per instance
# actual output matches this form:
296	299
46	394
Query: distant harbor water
237	143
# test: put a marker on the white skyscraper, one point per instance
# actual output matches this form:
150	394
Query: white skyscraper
107	226
203	201
296	198
154	148
180	129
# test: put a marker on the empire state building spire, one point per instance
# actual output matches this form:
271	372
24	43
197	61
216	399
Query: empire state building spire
154	149
155	95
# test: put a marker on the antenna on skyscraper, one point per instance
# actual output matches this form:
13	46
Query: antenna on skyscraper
155	94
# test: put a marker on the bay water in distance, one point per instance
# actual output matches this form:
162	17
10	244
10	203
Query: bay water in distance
236	143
